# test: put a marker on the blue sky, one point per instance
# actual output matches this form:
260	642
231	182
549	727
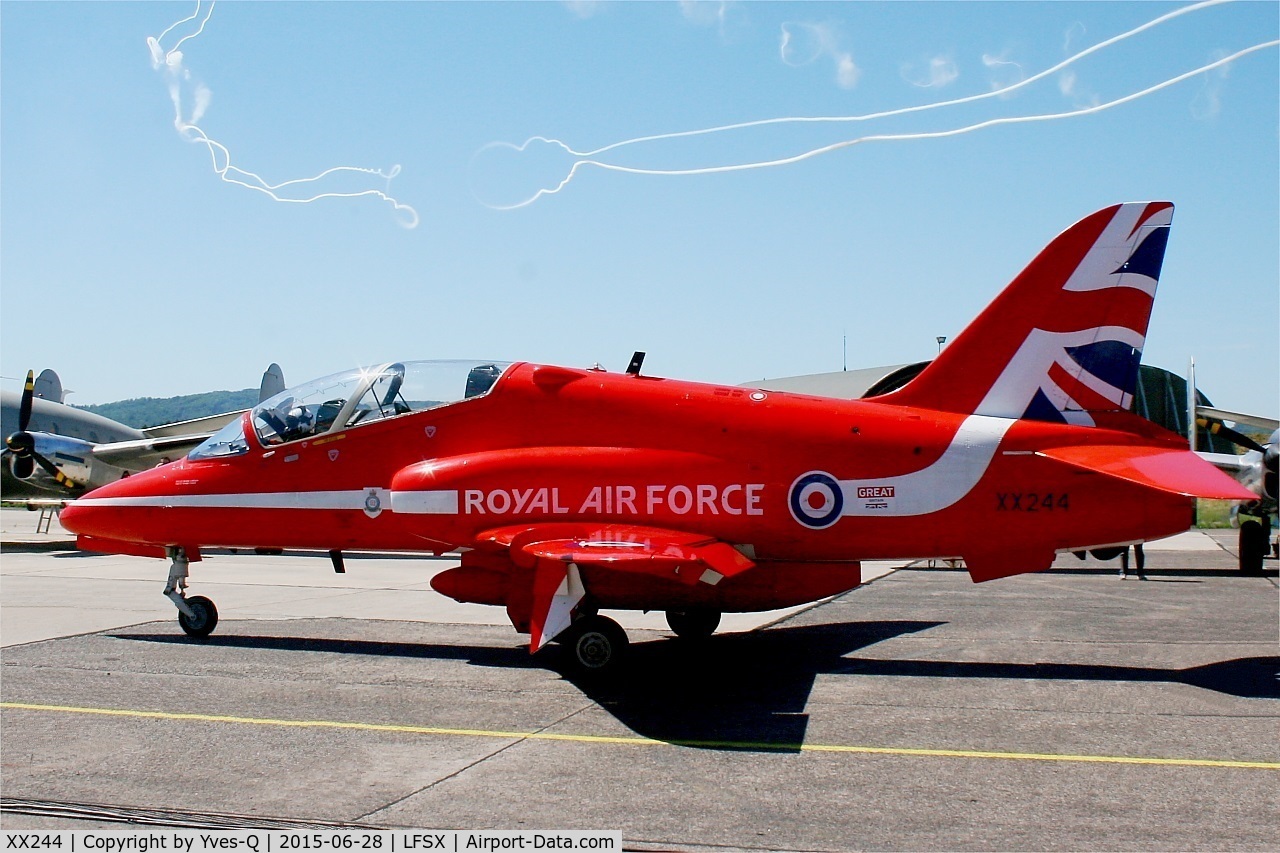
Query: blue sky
129	266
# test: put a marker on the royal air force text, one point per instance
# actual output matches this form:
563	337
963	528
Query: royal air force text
704	499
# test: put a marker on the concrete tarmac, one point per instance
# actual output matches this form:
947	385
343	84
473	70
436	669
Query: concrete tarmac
1067	710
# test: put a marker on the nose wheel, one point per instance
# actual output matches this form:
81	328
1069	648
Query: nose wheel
196	615
204	620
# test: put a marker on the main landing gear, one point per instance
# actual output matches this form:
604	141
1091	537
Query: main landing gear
693	624
197	615
1255	545
596	644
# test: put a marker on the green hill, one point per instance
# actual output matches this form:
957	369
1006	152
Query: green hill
153	411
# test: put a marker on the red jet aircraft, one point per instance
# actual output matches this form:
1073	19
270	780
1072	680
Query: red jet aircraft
568	491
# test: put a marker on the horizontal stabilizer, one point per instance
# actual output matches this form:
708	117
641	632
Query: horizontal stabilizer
1179	472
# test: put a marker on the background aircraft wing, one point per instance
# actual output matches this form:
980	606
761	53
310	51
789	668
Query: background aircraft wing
1265	423
143	453
1229	462
204	427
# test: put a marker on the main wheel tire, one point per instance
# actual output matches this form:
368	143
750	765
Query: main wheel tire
693	624
597	645
1253	546
206	617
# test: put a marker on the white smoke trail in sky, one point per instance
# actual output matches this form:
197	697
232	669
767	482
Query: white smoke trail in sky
171	62
585	158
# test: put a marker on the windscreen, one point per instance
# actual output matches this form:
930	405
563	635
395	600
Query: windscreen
228	441
366	395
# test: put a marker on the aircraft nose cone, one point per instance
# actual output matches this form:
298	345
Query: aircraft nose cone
106	512
74	518
85	517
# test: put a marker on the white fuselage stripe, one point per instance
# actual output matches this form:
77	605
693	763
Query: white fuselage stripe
353	499
427	502
440	502
934	488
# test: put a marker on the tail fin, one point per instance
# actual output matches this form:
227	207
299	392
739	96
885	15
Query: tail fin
272	383
1064	339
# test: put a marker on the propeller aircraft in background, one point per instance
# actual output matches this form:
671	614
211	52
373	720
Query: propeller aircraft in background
570	491
55	450
1255	468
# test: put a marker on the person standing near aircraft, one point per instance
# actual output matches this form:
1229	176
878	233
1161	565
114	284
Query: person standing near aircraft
1139	562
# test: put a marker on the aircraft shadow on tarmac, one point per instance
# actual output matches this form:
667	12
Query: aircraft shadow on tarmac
512	658
1168	575
1247	678
744	691
749	691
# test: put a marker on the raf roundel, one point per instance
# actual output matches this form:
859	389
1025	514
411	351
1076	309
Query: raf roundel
816	500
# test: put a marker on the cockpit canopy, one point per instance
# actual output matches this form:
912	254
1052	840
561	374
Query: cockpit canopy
355	397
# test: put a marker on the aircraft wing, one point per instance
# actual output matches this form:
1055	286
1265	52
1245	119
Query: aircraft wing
1270	424
205	426
556	551
143	453
37	504
1228	462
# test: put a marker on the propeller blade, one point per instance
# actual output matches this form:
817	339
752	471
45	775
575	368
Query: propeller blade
1217	427
28	393
54	471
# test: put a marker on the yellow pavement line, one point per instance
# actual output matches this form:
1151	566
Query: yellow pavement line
643	741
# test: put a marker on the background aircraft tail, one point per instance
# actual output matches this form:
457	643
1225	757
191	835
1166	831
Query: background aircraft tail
272	382
1063	340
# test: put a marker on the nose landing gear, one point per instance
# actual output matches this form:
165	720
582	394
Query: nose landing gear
196	615
205	619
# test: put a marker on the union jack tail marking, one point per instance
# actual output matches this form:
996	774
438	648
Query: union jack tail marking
1063	341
